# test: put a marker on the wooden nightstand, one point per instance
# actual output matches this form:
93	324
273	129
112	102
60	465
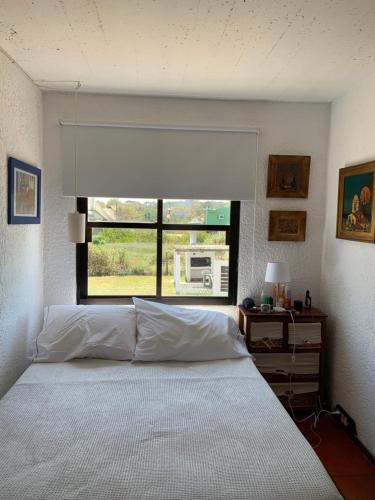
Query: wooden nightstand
270	339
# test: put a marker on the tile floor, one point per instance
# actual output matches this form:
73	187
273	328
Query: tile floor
349	467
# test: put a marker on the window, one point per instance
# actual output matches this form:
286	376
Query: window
172	250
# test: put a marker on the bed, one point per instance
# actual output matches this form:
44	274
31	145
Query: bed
97	429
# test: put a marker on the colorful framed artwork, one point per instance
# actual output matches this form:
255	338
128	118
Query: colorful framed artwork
288	176
287	225
356	207
24	193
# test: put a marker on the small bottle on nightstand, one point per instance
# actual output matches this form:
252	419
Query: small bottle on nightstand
288	297
307	300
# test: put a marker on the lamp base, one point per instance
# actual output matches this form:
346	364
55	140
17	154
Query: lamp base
279	294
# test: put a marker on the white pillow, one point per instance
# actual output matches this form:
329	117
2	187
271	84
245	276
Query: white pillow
175	333
106	332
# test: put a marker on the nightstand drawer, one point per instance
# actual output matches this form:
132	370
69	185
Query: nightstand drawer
297	395
294	388
282	364
267	334
307	335
300	402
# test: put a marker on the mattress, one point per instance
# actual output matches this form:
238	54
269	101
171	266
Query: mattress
95	429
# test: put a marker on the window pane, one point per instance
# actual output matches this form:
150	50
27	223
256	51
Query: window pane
195	263
121	210
196	212
122	262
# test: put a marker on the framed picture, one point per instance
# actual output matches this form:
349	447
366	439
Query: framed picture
287	225
288	176
24	190
356	207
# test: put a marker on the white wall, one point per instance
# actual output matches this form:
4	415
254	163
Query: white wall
348	285
285	128
21	246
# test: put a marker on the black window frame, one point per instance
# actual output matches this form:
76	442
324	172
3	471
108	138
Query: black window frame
232	239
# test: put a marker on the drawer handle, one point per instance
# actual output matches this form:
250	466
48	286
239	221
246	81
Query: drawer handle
283	372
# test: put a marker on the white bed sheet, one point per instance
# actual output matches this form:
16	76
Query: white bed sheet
94	429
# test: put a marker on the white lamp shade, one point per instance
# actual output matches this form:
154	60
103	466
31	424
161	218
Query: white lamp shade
277	272
77	227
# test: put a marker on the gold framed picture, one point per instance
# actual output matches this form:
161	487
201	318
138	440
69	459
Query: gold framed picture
356	207
287	225
288	176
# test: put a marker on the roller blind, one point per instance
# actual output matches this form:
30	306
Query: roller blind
154	162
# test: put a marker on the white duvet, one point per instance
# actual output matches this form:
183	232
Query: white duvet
94	429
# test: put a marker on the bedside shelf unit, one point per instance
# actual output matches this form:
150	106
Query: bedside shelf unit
270	339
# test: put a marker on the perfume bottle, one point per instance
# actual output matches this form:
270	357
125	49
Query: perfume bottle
307	300
288	297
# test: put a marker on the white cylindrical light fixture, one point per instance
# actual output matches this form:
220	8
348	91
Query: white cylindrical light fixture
77	227
76	220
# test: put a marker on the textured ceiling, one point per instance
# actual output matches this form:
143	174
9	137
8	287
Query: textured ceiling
310	50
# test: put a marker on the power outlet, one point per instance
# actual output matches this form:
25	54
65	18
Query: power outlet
346	420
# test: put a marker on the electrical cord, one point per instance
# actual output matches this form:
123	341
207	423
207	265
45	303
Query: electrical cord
312	426
335	412
298	420
290	375
313	431
315	422
314	414
294	336
319	409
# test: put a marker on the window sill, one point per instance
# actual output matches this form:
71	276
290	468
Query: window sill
223	308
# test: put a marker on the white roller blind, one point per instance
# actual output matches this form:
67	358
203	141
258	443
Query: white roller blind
154	162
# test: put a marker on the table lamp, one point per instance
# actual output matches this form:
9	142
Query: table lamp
278	274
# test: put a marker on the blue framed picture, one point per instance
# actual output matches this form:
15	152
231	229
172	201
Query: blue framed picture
24	192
